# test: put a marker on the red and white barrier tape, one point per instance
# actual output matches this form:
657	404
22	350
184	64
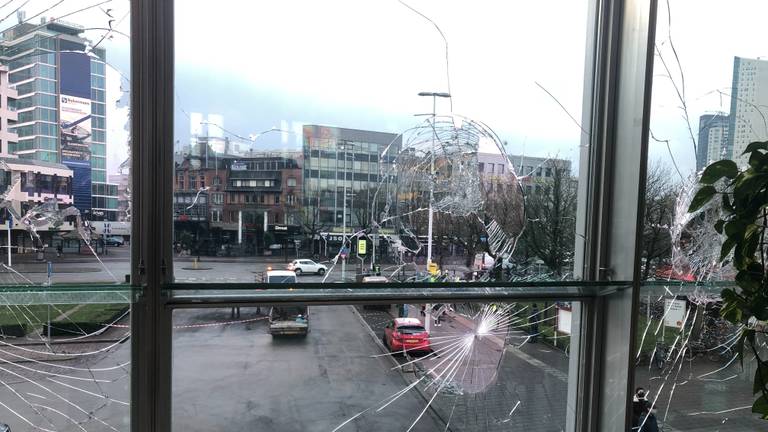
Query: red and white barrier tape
197	325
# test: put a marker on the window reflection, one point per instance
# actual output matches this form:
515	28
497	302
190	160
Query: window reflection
417	159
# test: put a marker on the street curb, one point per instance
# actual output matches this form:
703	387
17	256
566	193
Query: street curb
400	370
373	335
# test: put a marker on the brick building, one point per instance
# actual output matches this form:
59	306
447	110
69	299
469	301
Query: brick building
225	203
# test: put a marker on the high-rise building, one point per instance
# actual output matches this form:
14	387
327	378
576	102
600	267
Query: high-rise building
27	183
8	116
338	159
713	139
61	107
749	97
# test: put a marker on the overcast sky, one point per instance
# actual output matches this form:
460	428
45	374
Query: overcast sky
361	63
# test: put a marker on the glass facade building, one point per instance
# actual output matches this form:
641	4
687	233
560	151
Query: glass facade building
339	161
61	88
749	92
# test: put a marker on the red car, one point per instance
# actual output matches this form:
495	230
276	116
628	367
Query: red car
406	334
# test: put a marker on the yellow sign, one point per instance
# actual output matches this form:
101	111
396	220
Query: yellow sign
361	245
432	268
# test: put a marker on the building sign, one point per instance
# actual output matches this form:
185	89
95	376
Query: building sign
111	228
564	320
239	166
674	313
284	229
333	237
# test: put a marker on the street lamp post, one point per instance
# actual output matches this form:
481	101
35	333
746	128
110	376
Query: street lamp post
345	146
434	95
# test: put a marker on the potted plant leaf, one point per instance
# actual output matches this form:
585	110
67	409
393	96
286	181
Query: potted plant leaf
743	195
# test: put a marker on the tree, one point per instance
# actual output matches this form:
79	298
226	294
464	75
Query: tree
361	207
504	203
658	217
551	210
464	231
312	226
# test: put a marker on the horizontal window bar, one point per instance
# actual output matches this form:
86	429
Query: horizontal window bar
354	294
175	287
68	294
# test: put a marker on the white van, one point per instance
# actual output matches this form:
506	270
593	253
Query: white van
280	276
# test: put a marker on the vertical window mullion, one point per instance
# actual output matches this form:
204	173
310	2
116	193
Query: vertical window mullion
152	176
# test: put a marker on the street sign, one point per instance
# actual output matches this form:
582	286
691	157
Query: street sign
361	245
675	313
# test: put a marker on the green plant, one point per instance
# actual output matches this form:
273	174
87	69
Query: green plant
743	223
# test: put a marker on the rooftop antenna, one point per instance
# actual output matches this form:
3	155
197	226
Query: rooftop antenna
21	16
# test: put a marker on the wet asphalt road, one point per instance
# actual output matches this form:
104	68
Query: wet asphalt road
238	378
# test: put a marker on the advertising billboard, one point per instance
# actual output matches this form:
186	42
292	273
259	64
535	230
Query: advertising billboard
75	124
75	131
320	136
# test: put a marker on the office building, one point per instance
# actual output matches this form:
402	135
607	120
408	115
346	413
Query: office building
338	160
8	116
534	171
123	183
749	97
713	139
61	107
26	183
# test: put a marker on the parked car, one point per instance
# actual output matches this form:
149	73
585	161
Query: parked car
110	241
306	266
406	334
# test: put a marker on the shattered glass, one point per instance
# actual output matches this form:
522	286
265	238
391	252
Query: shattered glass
488	367
441	157
301	163
687	360
64	309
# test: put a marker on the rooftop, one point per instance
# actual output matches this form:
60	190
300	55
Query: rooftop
33	162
